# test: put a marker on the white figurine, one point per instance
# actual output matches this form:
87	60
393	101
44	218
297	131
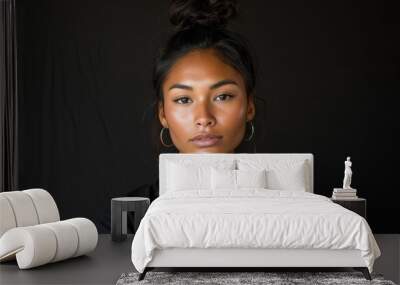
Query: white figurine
347	174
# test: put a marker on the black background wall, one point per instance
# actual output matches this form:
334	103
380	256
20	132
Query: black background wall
329	72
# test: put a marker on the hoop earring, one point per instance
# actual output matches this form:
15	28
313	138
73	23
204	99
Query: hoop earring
161	138
252	132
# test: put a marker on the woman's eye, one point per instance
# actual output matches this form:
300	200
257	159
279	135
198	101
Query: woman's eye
182	100
185	100
224	97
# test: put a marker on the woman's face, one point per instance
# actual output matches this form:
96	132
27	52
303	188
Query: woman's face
205	96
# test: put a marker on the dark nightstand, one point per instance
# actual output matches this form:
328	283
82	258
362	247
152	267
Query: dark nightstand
119	208
358	205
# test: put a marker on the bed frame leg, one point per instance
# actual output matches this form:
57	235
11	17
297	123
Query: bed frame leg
143	274
364	271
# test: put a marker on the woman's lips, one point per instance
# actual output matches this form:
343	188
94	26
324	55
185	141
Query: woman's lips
207	141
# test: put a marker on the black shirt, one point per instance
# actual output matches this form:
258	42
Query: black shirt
150	191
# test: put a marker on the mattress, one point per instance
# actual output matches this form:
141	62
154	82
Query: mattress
250	218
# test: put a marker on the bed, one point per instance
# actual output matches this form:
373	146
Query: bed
247	210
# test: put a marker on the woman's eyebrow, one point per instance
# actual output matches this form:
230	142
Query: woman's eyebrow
222	82
214	86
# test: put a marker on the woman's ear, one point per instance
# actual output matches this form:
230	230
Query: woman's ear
251	109
161	115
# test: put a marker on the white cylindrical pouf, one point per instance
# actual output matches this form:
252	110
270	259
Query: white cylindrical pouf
36	245
67	239
23	208
7	218
87	233
45	205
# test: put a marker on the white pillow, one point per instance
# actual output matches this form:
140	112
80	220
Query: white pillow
237	179
281	174
251	178
189	175
223	179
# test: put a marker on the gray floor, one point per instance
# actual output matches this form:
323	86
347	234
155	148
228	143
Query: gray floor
110	260
389	262
103	266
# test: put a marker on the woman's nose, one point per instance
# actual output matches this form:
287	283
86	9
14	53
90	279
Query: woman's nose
204	117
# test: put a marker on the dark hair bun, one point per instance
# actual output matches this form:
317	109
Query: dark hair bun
212	13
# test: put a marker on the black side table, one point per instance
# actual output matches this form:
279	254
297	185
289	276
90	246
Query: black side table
119	208
358	205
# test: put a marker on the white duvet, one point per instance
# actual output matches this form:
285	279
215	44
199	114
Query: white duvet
251	218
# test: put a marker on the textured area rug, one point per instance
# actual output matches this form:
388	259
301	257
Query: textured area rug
229	278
